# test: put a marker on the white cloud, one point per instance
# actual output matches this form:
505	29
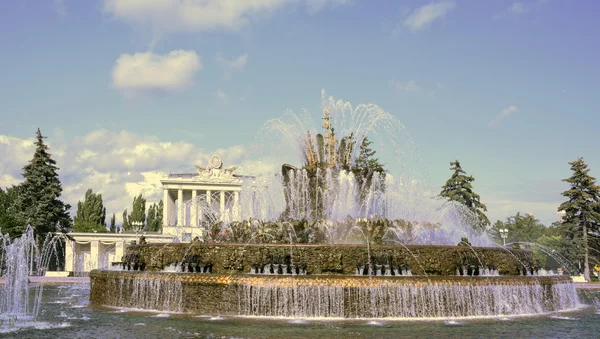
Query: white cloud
423	17
119	165
517	9
232	65
146	73
200	15
511	110
223	97
59	6
315	6
408	86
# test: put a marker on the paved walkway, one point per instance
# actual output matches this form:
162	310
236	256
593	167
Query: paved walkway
55	280
588	286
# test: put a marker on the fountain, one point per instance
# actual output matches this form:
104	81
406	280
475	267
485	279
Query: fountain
339	237
21	258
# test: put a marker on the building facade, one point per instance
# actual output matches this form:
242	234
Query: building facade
193	200
88	251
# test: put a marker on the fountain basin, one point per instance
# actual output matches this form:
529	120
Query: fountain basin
333	296
337	281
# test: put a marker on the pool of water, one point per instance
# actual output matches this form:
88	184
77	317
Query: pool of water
66	313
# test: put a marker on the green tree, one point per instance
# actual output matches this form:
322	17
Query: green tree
564	239
154	218
365	164
9	221
151	217
582	209
125	225
459	188
39	203
138	213
522	228
113	224
91	214
159	216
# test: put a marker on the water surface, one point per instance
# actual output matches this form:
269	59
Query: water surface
66	313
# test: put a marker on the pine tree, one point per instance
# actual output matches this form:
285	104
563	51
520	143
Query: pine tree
459	188
365	163
39	203
113	224
582	209
365	166
91	214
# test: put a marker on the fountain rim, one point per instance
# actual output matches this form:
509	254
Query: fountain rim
235	244
326	279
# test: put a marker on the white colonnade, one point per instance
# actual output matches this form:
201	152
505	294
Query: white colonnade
192	200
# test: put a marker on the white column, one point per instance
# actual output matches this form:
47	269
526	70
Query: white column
119	250
69	249
236	206
167	207
194	207
180	209
222	204
94	255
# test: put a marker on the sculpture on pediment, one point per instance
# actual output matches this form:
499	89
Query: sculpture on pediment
215	171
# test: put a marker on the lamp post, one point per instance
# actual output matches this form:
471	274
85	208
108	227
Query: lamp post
503	235
137	225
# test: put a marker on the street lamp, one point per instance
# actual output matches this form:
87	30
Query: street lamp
503	235
137	225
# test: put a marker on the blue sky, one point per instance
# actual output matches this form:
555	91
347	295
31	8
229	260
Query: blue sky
508	88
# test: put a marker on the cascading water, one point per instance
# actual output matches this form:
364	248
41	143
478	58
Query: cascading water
21	257
404	299
16	301
147	294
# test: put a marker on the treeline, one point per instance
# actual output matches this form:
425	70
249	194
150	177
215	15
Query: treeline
575	237
37	202
91	216
139	219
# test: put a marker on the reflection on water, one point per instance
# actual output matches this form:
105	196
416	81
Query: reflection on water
65	313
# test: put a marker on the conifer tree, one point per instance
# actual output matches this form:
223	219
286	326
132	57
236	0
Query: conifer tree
365	166
582	209
459	188
91	214
39	203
